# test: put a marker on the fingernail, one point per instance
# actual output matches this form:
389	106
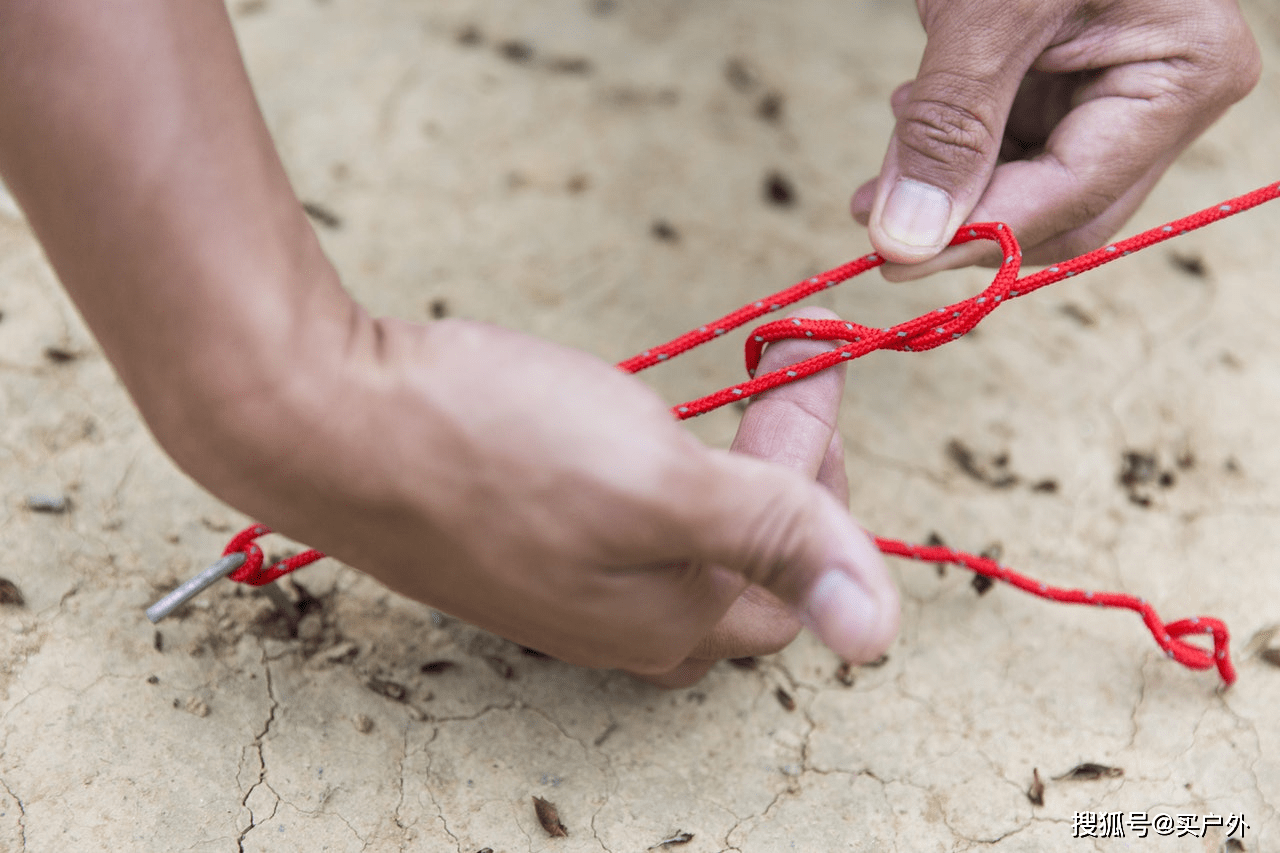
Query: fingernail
916	214
844	617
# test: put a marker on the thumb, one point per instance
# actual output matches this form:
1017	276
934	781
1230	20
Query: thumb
786	533
950	122
780	530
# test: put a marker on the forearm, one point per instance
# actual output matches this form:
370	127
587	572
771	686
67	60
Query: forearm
130	135
528	487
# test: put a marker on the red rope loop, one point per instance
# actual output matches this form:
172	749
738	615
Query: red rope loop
252	572
925	332
1166	636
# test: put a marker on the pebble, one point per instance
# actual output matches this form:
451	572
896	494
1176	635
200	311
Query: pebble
310	628
10	594
341	652
52	504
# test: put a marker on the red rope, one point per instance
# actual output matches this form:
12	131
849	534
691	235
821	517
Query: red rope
922	333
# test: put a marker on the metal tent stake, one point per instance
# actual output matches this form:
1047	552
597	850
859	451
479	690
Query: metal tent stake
195	586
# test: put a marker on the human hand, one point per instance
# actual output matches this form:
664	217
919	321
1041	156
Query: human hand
794	426
546	496
1054	116
528	488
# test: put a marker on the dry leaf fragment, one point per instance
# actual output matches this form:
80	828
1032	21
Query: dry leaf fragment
10	594
344	652
1089	771
1260	640
844	674
436	667
778	189
992	472
1271	656
679	837
604	735
391	689
570	65
745	663
935	540
322	215
1075	312
1192	265
1036	792
549	817
500	666
784	699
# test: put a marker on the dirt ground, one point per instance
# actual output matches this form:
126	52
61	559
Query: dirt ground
597	173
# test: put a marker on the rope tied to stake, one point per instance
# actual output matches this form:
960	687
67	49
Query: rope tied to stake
925	332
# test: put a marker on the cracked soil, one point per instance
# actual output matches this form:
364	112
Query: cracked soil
609	174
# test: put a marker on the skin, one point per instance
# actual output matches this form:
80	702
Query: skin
1056	117
528	488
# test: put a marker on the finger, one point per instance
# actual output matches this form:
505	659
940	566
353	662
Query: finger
789	535
832	474
865	196
792	425
900	97
760	623
950	125
1101	129
780	530
1098	164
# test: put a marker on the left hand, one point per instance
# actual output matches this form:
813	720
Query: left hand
1054	116
793	426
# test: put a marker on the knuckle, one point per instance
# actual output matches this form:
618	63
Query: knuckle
955	138
1229	59
1243	71
777	636
776	536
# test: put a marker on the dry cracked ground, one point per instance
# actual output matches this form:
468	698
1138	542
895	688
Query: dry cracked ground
609	174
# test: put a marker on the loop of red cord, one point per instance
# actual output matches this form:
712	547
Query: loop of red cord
922	333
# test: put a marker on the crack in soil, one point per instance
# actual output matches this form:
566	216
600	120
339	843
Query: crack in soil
262	762
22	814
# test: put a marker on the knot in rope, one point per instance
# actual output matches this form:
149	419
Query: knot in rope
252	572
